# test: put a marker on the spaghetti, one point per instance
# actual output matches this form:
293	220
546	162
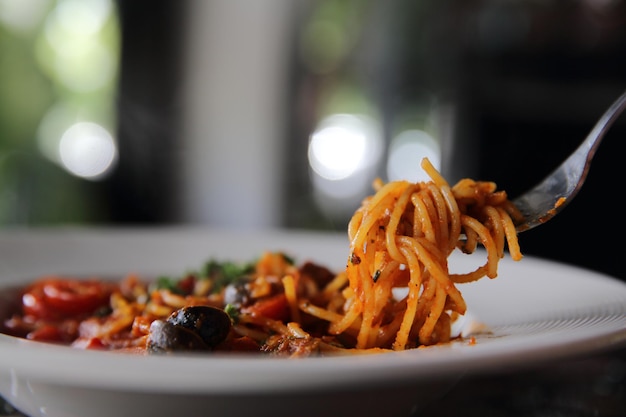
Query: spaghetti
402	237
396	292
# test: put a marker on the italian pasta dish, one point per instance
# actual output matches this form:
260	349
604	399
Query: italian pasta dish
396	292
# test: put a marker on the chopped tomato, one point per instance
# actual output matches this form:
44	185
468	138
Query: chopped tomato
55	298
275	307
187	284
46	333
92	343
240	344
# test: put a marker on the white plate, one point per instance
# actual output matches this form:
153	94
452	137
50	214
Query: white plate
537	310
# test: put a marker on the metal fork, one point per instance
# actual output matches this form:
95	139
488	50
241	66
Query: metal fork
556	191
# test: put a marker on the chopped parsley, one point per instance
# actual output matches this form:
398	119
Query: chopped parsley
232	312
224	273
166	283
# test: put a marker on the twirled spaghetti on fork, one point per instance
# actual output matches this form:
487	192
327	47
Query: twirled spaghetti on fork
402	237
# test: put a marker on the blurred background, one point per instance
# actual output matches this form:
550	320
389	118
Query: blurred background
280	113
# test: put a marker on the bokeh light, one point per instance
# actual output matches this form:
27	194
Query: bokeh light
22	16
339	146
87	150
406	151
344	153
75	51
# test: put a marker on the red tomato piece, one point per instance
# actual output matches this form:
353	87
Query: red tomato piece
92	343
242	344
187	284
55	297
46	333
274	307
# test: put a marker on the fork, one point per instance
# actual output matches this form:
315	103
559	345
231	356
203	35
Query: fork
556	191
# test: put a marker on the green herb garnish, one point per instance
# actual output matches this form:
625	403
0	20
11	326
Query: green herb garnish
224	273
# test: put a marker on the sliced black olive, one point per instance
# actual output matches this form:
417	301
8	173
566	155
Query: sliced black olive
211	324
165	337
